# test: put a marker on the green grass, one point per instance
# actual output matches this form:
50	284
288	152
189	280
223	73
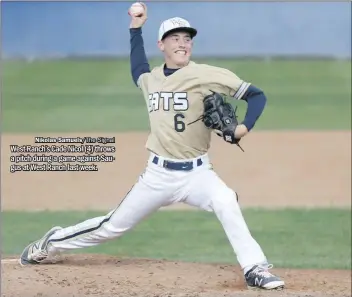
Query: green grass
99	95
291	238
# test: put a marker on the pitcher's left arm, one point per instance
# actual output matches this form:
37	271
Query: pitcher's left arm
256	101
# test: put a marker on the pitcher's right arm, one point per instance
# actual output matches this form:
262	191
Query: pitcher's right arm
138	59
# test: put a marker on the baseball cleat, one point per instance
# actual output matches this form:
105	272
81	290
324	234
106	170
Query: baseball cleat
259	277
36	252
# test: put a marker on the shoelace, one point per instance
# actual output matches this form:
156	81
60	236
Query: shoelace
263	271
40	256
45	256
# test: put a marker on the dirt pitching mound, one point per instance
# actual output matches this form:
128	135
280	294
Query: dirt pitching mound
96	275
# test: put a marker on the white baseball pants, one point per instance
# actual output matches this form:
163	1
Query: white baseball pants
157	187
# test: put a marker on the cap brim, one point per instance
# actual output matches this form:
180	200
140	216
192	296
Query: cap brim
191	31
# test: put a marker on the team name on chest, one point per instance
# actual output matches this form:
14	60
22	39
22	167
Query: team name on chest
177	101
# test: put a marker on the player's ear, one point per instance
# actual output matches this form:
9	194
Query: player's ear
161	45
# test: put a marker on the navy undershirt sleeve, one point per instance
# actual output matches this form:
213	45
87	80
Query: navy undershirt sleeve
138	58
256	101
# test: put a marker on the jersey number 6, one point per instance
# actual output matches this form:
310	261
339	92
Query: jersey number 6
179	125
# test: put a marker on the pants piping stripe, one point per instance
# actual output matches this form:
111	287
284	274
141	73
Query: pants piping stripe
91	229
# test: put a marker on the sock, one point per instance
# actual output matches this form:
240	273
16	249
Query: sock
247	268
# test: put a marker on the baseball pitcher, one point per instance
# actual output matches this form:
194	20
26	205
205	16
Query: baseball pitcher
186	102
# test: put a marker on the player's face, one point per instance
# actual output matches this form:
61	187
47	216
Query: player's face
177	48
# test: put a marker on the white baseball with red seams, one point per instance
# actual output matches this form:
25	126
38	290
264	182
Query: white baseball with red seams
136	9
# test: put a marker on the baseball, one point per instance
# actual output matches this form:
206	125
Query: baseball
136	9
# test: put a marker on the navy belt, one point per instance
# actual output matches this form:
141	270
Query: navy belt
182	166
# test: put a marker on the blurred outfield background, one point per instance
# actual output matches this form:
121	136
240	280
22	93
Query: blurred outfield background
66	69
312	78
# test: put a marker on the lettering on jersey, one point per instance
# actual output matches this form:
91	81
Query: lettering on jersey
154	100
178	100
165	97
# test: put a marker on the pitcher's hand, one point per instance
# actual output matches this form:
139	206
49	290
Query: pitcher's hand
138	19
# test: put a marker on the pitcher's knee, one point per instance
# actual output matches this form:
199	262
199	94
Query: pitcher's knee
117	230
225	199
